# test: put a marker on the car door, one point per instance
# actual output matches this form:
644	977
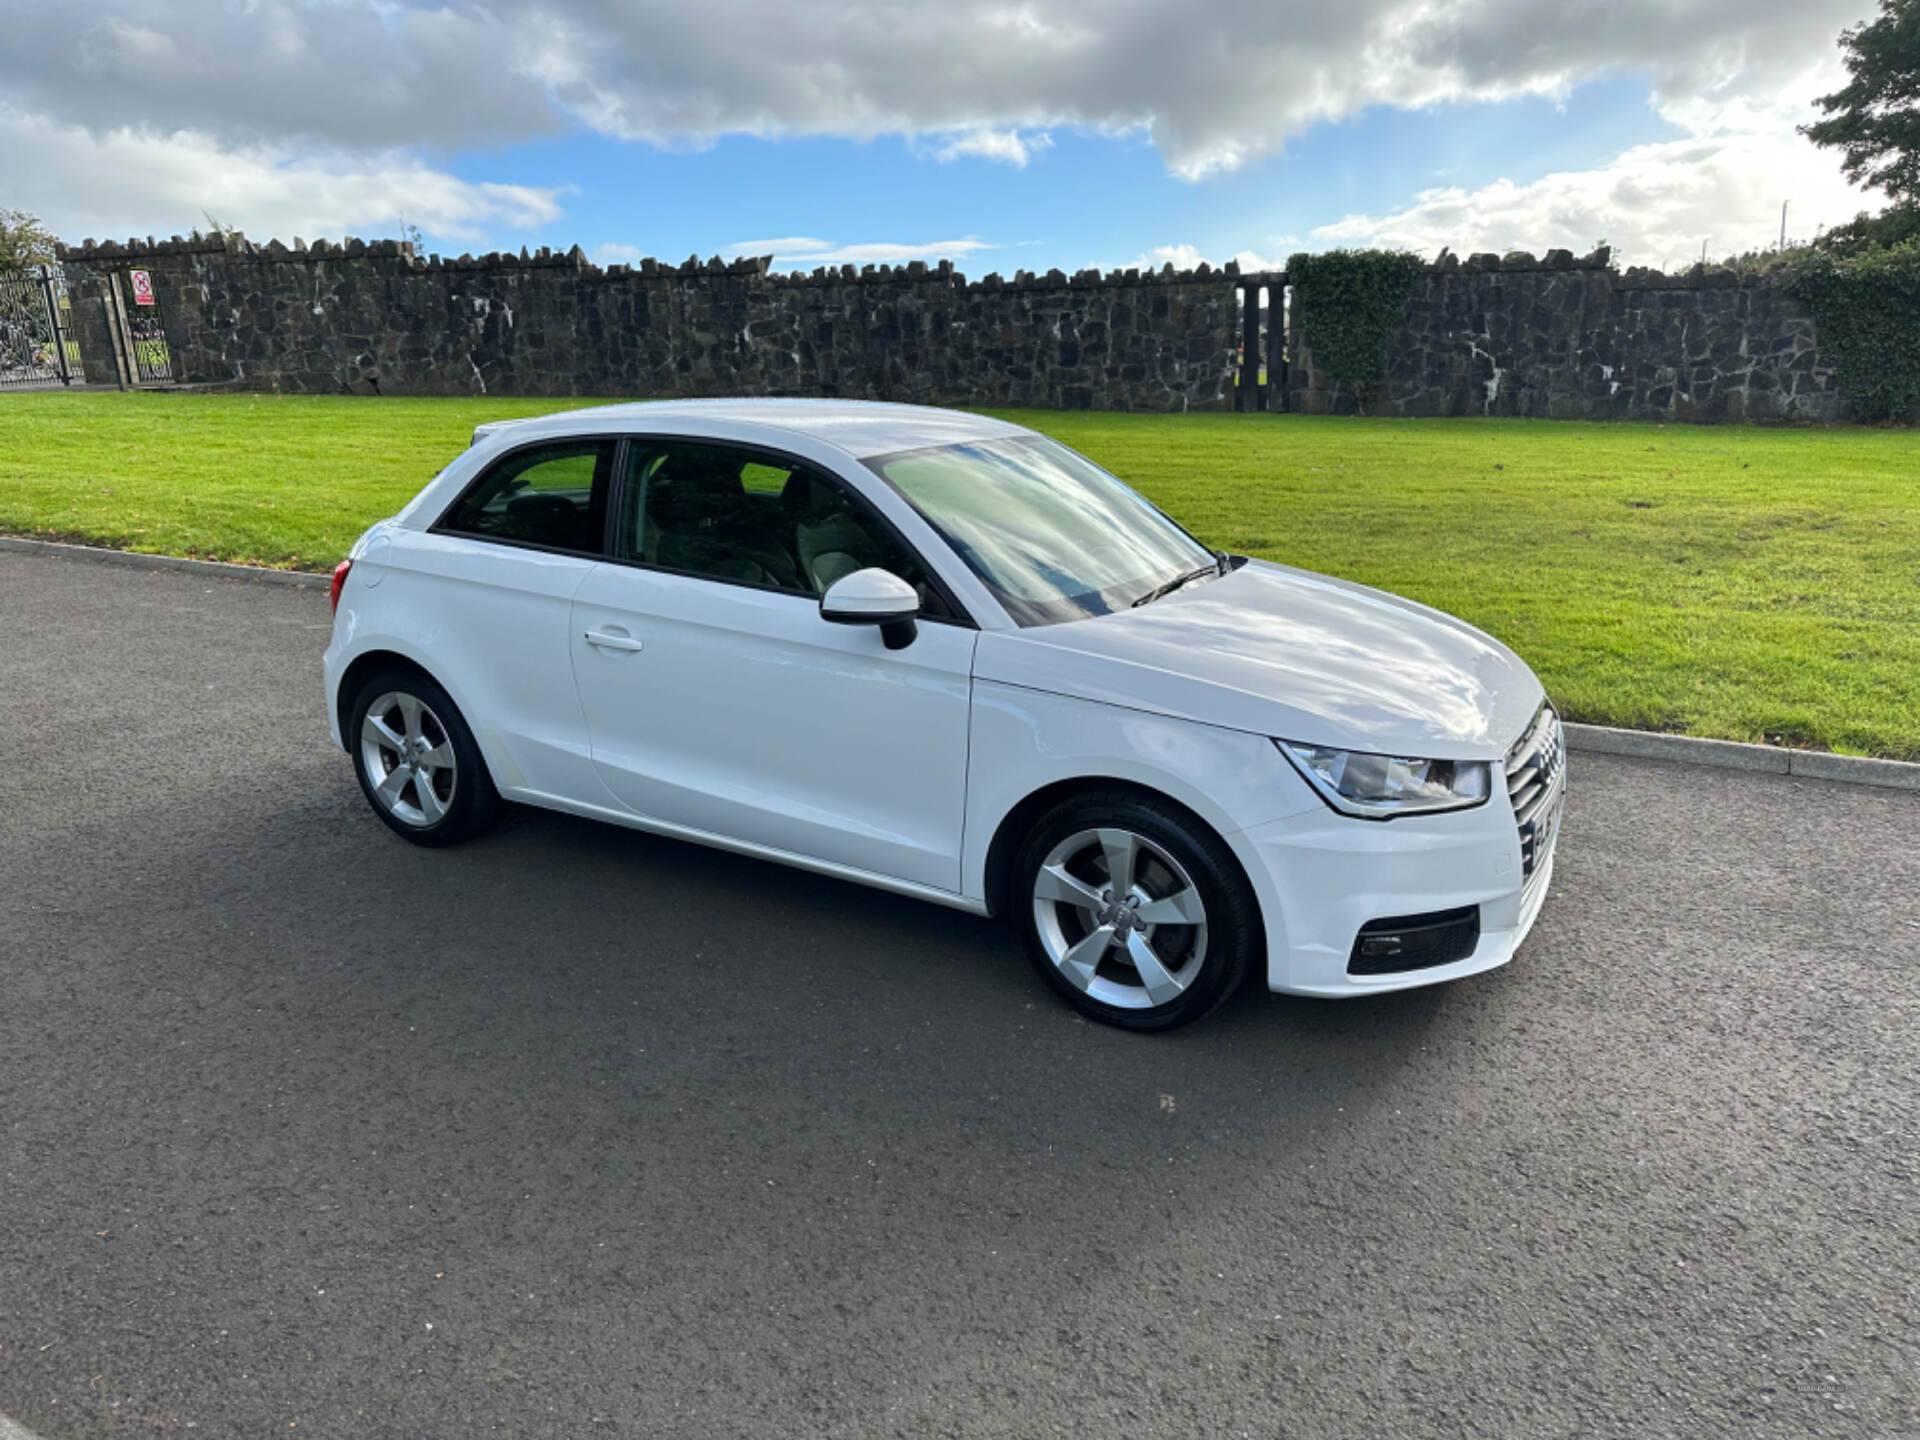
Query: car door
717	699
494	580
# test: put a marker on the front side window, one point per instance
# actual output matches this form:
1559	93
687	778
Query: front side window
1051	534
727	514
554	496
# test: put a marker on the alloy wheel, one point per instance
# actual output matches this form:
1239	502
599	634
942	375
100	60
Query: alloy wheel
1120	918
408	758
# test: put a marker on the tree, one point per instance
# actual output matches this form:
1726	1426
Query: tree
1874	119
1896	225
23	240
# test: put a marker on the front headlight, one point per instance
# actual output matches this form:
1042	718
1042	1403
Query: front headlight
1379	787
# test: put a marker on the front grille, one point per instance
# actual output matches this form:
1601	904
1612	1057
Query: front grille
1536	774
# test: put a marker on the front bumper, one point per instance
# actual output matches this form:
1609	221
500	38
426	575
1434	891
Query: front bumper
1321	876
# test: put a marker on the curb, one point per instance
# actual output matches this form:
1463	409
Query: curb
135	560
1732	755
1594	739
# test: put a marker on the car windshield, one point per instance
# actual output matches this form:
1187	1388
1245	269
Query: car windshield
1051	534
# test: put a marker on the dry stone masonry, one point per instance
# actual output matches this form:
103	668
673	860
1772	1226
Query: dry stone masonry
1573	339
1559	337
377	318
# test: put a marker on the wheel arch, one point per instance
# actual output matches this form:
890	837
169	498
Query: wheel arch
369	662
1018	820
382	657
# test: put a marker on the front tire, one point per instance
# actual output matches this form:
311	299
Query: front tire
1133	911
417	761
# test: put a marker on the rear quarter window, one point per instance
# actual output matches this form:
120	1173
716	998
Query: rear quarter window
553	496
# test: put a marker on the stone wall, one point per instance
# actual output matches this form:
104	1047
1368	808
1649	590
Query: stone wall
378	318
1571	339
1558	338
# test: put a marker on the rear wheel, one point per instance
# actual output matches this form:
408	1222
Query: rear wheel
417	761
1134	911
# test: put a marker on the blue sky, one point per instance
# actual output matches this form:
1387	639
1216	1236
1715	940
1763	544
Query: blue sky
1003	134
1081	198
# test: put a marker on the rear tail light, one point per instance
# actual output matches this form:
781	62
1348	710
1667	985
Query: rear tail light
339	584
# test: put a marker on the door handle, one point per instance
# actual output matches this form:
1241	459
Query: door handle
612	640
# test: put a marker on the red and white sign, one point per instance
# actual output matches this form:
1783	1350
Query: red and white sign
142	287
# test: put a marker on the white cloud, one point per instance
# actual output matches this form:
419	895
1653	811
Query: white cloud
1214	86
1009	147
801	251
1181	257
810	250
128	182
784	246
1655	204
316	114
1187	257
358	74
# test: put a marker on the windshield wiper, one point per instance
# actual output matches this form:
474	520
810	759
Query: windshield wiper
1175	583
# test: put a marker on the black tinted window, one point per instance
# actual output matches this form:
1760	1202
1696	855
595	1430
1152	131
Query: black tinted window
733	515
553	495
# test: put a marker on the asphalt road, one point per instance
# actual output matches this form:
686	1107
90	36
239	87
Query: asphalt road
574	1131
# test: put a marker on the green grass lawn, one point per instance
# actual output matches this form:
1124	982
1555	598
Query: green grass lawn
1746	583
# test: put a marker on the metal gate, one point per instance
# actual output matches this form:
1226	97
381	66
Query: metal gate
143	334
36	330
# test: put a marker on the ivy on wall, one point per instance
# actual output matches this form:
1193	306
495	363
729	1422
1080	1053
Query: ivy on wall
1346	306
1866	311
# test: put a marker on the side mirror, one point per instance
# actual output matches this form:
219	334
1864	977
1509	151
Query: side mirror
874	597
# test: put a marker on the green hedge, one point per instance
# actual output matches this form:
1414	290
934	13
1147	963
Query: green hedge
1346	305
1866	306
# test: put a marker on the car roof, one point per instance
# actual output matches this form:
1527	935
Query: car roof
861	428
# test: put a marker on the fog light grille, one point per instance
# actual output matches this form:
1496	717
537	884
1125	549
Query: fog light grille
1415	942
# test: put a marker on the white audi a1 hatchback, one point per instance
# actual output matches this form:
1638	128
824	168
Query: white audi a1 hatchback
947	656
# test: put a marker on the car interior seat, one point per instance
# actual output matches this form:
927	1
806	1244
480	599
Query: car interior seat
542	519
697	520
829	540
